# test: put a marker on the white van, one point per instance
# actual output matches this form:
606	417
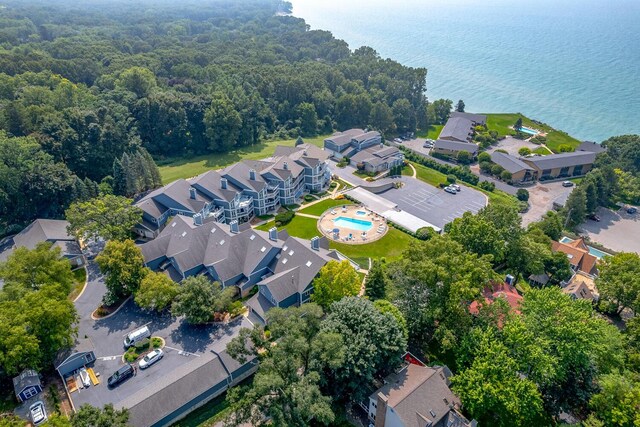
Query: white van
136	336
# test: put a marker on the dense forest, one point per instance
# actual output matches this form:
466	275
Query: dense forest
82	85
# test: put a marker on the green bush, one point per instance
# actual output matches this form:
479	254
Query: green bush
505	175
284	218
524	151
235	308
131	355
156	342
496	170
308	198
333	185
484	157
523	207
451	179
463	173
487	186
522	195
425	233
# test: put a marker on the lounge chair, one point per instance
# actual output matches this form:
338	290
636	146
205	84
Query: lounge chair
333	212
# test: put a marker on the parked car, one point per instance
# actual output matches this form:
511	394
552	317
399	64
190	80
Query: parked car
427	145
38	413
151	358
123	373
450	190
632	210
567	184
456	187
594	217
137	336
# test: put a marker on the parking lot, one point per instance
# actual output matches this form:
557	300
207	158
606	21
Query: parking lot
184	344
432	204
617	230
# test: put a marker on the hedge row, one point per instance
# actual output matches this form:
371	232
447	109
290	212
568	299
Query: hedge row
462	173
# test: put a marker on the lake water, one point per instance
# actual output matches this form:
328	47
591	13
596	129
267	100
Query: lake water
574	64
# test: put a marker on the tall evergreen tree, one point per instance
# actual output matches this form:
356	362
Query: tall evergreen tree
131	175
460	106
79	190
119	178
156	179
145	180
92	188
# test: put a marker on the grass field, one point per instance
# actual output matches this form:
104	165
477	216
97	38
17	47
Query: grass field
319	208
432	133
555	138
390	246
186	167
541	150
428	175
79	277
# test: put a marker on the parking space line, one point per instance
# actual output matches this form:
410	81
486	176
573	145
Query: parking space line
182	352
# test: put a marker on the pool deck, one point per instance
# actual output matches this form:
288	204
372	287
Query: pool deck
326	225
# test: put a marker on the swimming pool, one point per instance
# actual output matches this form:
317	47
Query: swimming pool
353	224
361	213
528	130
593	251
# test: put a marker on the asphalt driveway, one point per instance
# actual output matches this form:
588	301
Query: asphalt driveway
617	230
432	204
184	342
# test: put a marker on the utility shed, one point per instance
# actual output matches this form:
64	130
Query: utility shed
73	359
26	385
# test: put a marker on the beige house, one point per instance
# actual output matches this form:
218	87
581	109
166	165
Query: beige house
520	171
452	148
563	165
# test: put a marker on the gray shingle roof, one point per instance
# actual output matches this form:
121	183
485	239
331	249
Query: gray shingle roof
240	173
456	146
554	161
476	118
210	182
509	163
42	230
416	391
591	147
27	378
458	128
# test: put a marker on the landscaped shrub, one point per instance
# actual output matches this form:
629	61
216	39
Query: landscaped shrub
487	185
486	167
156	342
539	139
522	195
565	148
496	170
235	308
484	157
308	198
131	356
425	233
464	158
451	179
333	185
284	218
524	151
505	176
523	207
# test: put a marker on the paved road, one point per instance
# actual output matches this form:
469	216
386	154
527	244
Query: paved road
617	230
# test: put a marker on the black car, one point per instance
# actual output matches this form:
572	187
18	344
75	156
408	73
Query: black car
594	217
123	373
632	210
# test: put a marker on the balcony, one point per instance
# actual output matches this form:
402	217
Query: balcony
245	202
272	188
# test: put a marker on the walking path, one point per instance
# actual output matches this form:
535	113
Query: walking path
415	174
307	215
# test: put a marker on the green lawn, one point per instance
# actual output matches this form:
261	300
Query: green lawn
541	150
186	167
79	277
428	175
390	246
319	208
432	133
555	138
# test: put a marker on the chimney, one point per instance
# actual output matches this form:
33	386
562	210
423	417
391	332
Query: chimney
197	219
192	192
234	226
223	183
315	243
273	234
252	174
381	410
305	152
286	166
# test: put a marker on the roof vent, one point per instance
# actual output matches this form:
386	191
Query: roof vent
252	174
286	166
315	243
273	234
223	183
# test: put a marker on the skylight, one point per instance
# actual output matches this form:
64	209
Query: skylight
291	252
222	242
284	261
309	263
173	224
213	230
184	233
253	236
264	248
285	247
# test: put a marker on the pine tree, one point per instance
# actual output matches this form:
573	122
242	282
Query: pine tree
92	188
119	178
377	280
460	106
80	192
131	175
145	180
299	141
153	169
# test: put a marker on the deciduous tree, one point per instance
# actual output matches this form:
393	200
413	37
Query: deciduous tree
122	264
335	281
377	281
157	291
108	416
109	217
199	298
619	280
